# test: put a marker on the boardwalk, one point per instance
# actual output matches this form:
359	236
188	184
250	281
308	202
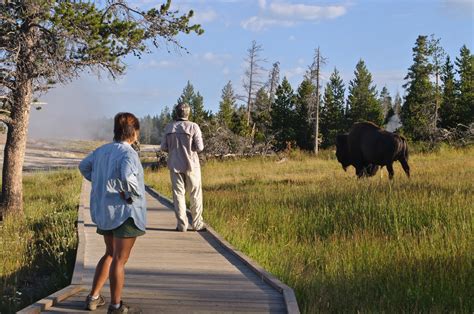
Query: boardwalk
173	272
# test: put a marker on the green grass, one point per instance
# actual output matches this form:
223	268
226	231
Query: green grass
37	253
349	245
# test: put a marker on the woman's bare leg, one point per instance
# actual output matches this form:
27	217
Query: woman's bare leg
103	266
122	249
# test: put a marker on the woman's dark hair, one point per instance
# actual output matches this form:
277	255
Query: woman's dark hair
125	126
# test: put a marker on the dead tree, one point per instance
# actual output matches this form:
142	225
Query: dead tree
252	81
314	75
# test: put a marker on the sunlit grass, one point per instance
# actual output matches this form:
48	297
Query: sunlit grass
345	244
37	253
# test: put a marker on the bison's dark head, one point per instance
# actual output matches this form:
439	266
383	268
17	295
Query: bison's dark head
342	151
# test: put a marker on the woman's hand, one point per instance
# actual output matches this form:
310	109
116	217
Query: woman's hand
128	200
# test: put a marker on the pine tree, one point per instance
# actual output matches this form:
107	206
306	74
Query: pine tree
332	113
397	104
304	122
437	54
227	105
362	99
187	96
283	116
449	115
239	122
146	129
386	102
199	115
465	86
261	115
417	111
159	124
196	102
273	82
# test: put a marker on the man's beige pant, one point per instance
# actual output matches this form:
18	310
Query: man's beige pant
190	181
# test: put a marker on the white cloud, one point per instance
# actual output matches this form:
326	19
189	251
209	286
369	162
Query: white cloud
216	58
458	8
204	16
307	12
257	23
157	64
226	71
297	71
285	14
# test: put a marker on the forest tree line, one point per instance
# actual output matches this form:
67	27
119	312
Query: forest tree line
272	115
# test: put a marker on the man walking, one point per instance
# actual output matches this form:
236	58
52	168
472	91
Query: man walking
183	141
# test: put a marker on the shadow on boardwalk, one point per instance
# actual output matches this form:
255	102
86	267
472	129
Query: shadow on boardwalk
172	272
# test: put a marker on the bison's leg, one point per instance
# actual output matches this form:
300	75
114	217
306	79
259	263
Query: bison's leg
390	171
360	172
405	166
372	170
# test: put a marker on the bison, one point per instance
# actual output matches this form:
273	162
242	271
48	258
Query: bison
367	146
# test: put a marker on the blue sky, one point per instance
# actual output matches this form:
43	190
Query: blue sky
381	32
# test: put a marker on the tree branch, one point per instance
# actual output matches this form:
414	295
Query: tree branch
42	28
123	5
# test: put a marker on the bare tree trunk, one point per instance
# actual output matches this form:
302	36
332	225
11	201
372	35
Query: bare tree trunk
437	103
249	99
316	124
314	75
14	153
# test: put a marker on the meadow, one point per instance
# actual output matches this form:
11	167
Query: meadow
37	252
347	245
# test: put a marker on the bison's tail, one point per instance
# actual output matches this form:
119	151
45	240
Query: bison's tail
404	148
404	156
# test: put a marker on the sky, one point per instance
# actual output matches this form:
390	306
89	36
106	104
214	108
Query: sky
380	32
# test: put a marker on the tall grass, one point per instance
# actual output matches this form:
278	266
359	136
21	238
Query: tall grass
37	252
348	245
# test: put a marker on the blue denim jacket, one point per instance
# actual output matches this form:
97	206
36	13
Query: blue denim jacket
114	168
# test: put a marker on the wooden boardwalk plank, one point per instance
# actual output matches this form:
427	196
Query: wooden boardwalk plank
173	272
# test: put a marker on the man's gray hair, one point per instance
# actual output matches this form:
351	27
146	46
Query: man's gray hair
183	110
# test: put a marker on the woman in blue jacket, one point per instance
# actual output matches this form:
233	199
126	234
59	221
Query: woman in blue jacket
117	205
